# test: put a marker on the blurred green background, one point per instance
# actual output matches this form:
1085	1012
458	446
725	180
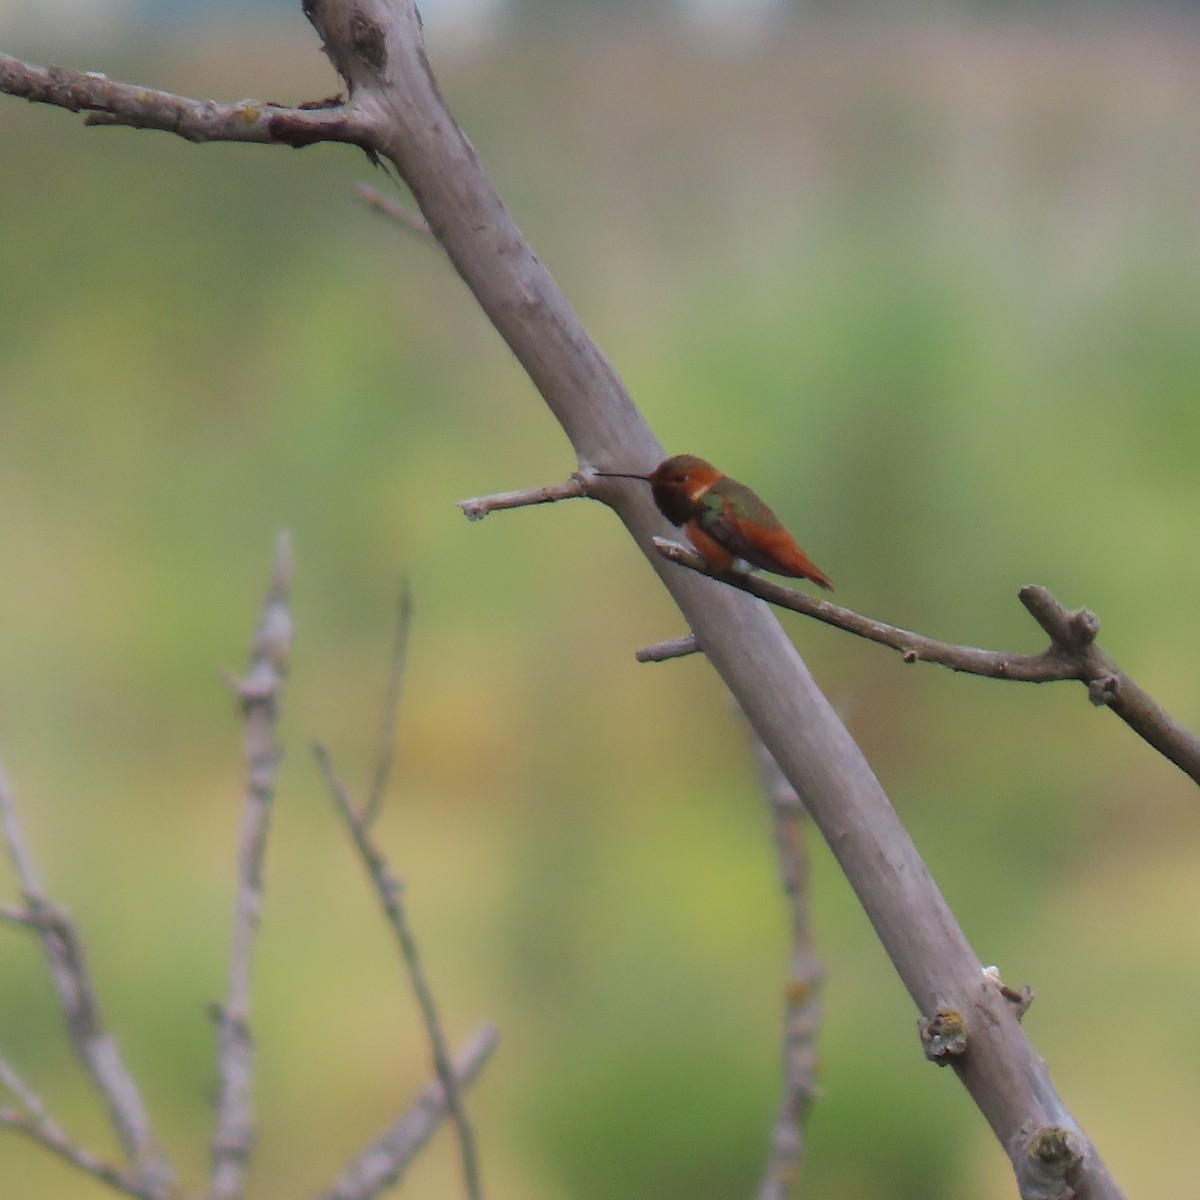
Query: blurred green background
932	286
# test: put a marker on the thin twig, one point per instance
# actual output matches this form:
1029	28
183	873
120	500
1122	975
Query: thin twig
107	102
259	693
478	507
50	1138
1072	653
389	890
37	1124
409	218
1045	667
94	1044
386	752
11	1079
802	1009
679	647
10	914
383	1163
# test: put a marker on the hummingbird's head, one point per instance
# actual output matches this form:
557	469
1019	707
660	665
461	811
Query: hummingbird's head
685	473
677	485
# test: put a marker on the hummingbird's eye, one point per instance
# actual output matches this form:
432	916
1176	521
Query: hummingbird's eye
678	477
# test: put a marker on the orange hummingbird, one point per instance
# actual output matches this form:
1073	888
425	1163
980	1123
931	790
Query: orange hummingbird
724	519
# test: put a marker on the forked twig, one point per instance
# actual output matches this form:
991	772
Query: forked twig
1072	653
92	1041
36	1124
51	1138
383	1163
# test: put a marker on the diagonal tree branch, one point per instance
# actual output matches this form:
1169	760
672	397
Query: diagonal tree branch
377	48
259	693
92	1041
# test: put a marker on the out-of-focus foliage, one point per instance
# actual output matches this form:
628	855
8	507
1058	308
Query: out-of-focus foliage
934	291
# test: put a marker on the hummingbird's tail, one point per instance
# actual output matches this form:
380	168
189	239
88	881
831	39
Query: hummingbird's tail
805	568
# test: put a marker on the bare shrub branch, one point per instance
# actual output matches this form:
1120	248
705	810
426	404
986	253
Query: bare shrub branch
383	1163
801	996
389	890
94	1045
259	692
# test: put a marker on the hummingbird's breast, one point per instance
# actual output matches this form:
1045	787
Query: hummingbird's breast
675	503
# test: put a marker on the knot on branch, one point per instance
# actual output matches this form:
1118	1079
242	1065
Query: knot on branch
1102	691
292	128
943	1036
354	36
1082	627
1047	1161
258	689
1071	631
1020	998
368	41
229	1021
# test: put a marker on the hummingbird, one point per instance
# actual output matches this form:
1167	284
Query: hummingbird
723	519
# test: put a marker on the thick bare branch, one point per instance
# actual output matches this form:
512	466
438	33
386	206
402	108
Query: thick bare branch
389	889
1072	653
259	693
383	1163
377	47
93	1043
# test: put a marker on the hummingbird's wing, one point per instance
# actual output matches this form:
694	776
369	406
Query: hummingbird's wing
737	519
733	516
